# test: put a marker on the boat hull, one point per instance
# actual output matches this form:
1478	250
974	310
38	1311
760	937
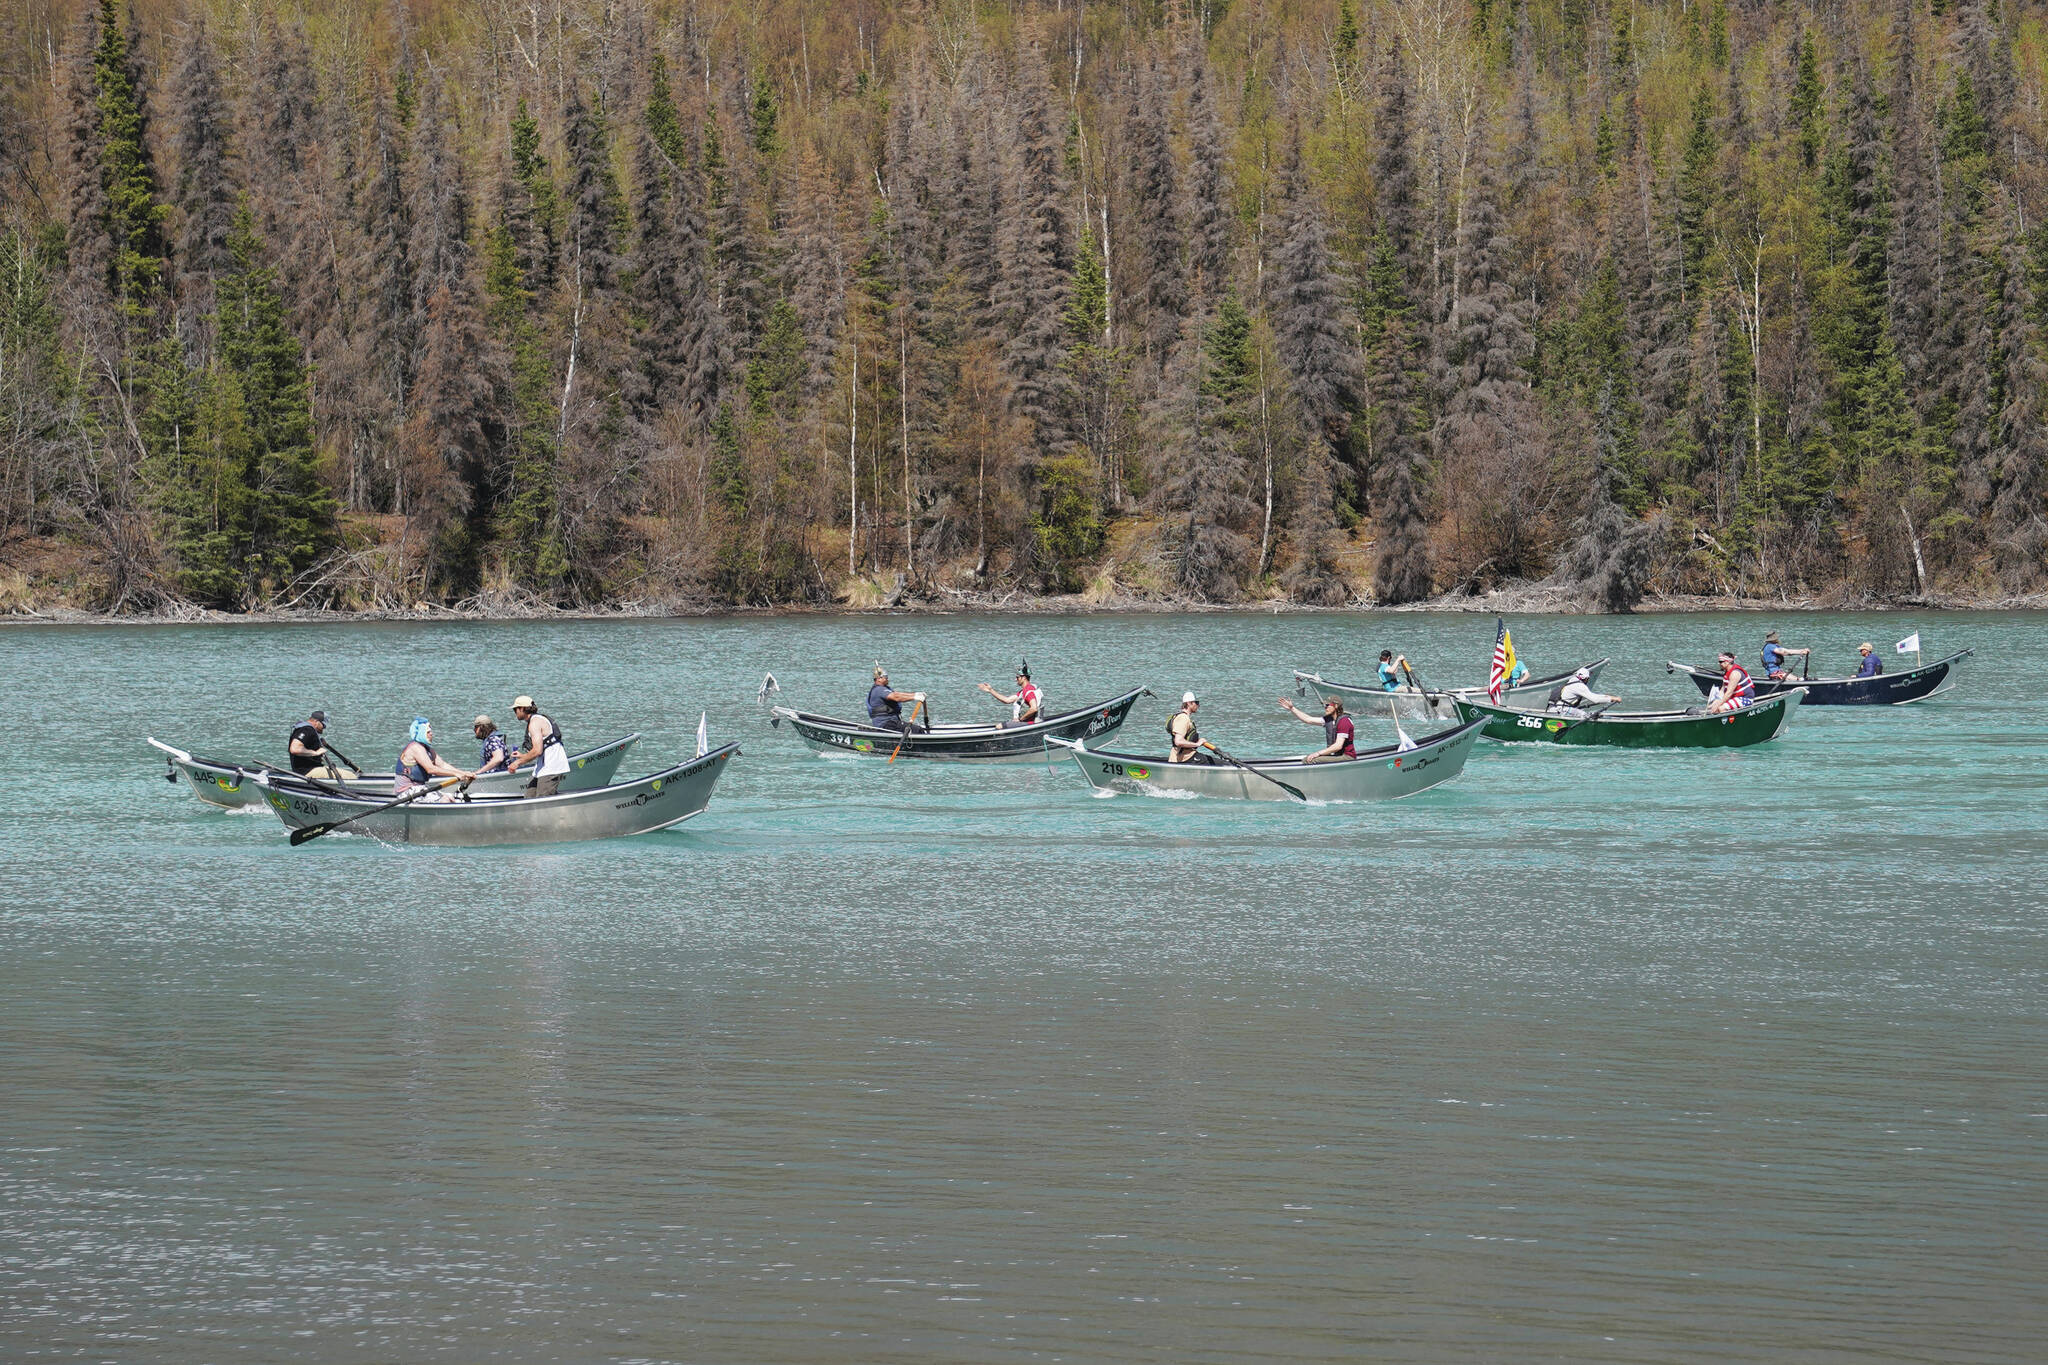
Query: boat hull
960	743
640	806
1382	774
230	786
1886	689
1757	724
1410	703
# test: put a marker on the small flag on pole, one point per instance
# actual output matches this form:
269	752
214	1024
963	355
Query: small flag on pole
703	734
1503	661
1910	645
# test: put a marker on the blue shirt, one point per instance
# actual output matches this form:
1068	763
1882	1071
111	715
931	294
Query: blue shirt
879	704
1872	666
1517	673
1774	657
1390	681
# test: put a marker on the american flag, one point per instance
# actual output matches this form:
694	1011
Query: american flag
1503	662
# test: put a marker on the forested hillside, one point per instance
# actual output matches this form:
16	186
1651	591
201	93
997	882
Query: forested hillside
370	302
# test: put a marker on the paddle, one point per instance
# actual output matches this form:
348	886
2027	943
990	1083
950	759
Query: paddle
1416	683
300	836
344	758
906	731
1294	792
1590	715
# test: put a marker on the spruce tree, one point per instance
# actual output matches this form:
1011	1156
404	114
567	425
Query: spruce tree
206	193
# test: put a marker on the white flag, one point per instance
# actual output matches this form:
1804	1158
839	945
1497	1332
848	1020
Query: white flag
1911	644
703	735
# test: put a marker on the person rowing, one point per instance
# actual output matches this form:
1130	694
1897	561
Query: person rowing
1774	656
308	748
1187	741
1027	703
1339	734
543	742
418	763
1872	666
885	705
1392	667
1576	694
1736	691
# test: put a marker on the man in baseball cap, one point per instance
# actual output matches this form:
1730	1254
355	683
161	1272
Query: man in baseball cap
544	742
307	748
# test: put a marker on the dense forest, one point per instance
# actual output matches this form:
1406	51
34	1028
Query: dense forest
673	302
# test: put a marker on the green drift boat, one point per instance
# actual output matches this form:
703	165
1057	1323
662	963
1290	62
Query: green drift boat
1765	720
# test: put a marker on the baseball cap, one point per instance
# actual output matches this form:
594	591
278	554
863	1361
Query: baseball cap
522	702
320	716
1187	697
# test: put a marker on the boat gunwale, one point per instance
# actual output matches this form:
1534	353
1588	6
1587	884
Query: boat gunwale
492	802
1373	755
1761	704
1011	730
1786	684
1452	692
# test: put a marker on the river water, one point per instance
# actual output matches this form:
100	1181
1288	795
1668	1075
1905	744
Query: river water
1587	1056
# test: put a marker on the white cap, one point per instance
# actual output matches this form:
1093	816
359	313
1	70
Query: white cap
1187	697
1582	675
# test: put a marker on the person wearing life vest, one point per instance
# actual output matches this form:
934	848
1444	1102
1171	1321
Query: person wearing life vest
1339	735
1027	704
1187	741
885	705
1872	666
1576	694
417	761
1736	690
1391	669
1774	656
543	742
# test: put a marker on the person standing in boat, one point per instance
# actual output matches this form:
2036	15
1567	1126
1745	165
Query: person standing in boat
1339	734
543	742
1774	657
494	753
1576	694
885	705
1187	741
1027	704
417	761
1872	666
307	747
1736	691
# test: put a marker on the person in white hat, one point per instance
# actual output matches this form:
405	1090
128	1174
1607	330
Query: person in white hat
1180	729
544	742
1576	695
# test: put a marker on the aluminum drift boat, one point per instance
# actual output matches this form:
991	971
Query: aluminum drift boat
1695	729
640	806
1886	689
1414	703
1005	743
232	786
1381	774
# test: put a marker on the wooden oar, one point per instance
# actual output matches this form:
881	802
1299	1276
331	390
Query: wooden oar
906	731
300	836
1294	792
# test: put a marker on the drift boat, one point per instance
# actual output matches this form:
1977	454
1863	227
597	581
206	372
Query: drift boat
640	806
1414	703
1005	743
1381	774
1886	689
232	786
1695	729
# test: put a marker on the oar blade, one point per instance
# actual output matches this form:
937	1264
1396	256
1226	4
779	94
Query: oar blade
300	836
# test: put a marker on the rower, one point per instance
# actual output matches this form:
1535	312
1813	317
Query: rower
494	754
1187	741
544	742
1027	703
885	704
308	751
417	761
1339	735
1391	669
1774	655
1575	695
1736	690
1872	666
1519	674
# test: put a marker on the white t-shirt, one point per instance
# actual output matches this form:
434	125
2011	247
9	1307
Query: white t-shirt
1577	693
554	759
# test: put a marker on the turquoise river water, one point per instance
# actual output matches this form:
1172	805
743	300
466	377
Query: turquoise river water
1587	1056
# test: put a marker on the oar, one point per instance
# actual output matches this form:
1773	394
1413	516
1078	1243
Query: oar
344	758
1294	792
300	836
1590	715
906	731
